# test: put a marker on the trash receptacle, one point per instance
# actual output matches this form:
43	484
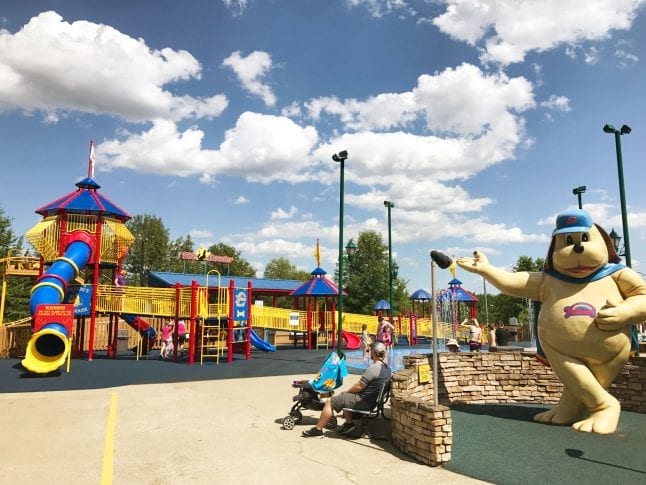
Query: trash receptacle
122	340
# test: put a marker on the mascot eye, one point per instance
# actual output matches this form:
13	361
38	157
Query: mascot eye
585	237
569	241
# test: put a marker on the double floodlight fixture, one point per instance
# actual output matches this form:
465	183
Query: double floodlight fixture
624	130
341	156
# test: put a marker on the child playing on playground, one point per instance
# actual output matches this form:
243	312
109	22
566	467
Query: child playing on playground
167	339
384	332
181	336
366	341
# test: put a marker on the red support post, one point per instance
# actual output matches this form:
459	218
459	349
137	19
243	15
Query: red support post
176	326
230	323
192	325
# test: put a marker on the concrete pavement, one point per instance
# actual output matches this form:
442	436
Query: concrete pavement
197	432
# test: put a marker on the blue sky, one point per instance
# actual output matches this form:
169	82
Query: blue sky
476	118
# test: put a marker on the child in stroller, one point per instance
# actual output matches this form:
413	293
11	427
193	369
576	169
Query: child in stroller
313	393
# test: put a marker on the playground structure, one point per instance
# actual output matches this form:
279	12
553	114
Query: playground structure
83	239
80	230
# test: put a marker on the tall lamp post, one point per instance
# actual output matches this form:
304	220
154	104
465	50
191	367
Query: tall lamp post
578	191
340	157
391	269
624	130
443	261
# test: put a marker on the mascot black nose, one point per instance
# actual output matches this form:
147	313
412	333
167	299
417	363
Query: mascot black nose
578	248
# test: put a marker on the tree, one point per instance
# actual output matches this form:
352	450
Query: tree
367	276
238	267
8	239
503	307
150	251
282	269
177	265
17	296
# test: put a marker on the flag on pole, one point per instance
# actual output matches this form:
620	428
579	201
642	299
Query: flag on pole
317	253
90	167
453	267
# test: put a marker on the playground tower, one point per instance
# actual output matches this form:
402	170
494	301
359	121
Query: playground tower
80	230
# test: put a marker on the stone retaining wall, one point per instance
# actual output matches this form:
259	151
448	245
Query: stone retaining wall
423	431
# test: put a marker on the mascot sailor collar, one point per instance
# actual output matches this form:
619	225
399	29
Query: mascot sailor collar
588	301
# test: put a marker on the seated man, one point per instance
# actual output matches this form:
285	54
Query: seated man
363	395
503	336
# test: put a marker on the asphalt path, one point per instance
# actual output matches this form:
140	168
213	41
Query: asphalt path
161	402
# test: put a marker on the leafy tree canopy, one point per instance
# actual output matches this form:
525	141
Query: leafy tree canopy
367	277
238	267
281	268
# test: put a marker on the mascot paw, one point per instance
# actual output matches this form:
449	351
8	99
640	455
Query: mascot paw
612	316
476	264
602	421
555	416
610	327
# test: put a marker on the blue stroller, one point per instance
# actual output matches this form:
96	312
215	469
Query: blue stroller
314	392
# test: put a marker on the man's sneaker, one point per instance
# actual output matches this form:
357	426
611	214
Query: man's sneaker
347	428
314	432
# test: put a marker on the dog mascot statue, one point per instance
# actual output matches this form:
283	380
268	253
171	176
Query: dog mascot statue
588	301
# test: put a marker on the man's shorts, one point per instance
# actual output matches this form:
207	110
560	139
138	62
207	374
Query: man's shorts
348	400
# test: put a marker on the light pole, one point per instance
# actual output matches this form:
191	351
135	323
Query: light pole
484	287
443	261
578	191
624	130
390	205
340	157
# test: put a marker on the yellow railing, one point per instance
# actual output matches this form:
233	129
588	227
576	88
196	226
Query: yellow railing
159	301
278	319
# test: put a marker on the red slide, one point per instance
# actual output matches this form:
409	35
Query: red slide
352	342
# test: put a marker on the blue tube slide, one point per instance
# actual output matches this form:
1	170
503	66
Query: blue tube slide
48	348
261	344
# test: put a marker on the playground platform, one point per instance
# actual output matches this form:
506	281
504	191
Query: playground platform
161	422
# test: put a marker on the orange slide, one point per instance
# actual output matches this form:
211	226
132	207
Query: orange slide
352	342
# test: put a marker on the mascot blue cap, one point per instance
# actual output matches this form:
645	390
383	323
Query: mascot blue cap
575	220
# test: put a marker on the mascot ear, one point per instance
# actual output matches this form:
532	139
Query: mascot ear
548	266
613	257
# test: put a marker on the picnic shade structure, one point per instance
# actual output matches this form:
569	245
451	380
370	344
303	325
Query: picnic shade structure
381	306
454	302
318	286
420	297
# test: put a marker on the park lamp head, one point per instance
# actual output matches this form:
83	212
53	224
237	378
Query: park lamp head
441	259
579	190
341	156
625	129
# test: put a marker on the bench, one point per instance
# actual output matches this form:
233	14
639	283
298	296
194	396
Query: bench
369	415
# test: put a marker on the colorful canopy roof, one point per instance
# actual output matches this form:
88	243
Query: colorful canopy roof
455	292
382	305
421	295
317	285
85	200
